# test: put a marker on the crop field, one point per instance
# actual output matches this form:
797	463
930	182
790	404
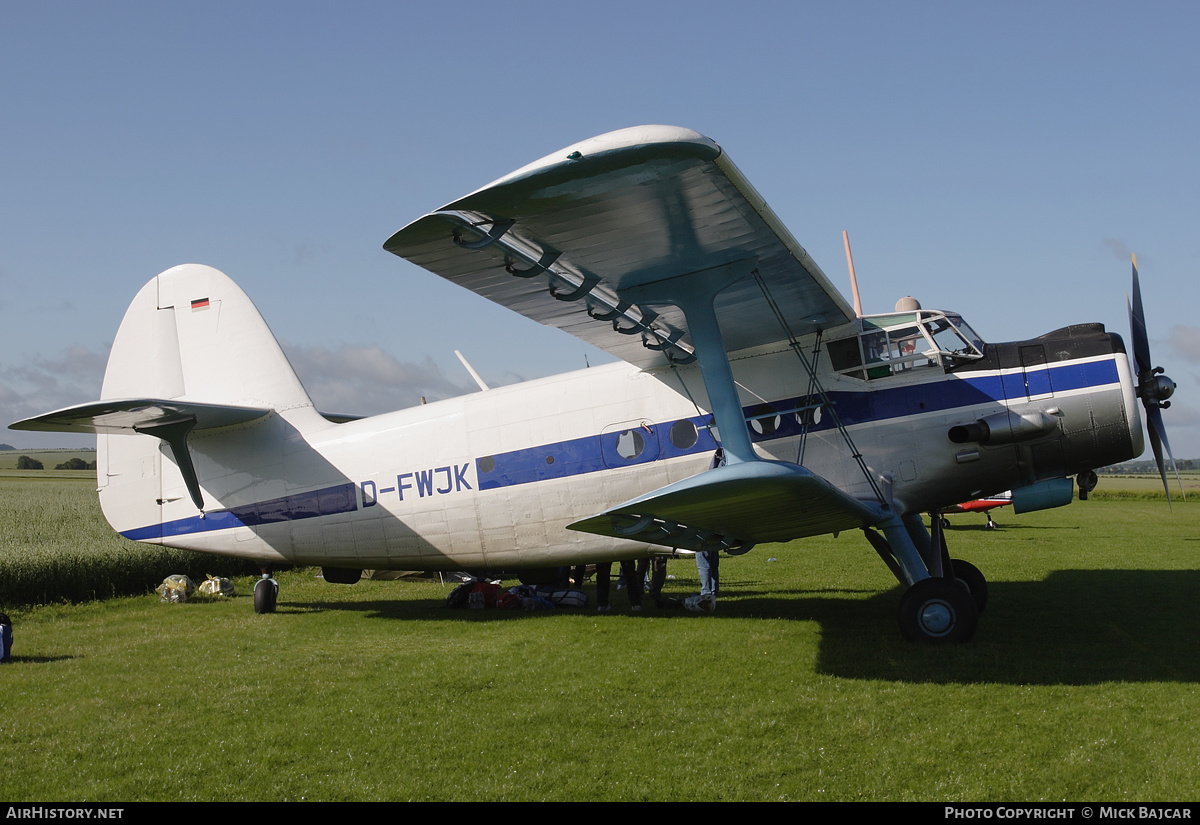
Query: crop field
56	546
1148	486
1082	683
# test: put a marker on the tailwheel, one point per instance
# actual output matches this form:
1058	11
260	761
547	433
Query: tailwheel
266	592
968	576
938	611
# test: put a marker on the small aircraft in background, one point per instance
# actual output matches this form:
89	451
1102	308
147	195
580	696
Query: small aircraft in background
649	243
1085	482
979	505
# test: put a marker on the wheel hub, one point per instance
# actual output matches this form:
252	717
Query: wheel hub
936	617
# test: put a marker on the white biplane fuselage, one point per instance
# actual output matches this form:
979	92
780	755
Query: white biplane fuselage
207	441
492	479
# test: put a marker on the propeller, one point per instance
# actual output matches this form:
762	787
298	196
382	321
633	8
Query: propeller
1154	388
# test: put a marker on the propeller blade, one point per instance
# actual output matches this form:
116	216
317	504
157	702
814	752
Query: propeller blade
1158	440
1137	326
1154	391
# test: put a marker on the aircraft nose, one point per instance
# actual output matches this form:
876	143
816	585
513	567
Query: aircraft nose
1156	389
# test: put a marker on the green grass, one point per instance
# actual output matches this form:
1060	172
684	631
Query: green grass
1081	684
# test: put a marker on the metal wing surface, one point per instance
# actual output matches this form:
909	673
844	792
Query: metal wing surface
734	507
132	414
562	241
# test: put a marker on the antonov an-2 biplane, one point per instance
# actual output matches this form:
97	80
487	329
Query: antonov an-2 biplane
650	244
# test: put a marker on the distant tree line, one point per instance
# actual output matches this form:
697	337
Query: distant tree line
76	464
1143	467
27	463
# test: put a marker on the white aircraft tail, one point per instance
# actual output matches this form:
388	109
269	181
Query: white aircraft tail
198	406
191	334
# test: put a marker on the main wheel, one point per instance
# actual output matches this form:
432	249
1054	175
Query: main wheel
968	576
938	611
265	593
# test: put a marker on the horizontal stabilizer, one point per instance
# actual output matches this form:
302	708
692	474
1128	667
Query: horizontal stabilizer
734	507
132	414
170	421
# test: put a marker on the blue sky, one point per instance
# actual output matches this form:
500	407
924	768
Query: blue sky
999	160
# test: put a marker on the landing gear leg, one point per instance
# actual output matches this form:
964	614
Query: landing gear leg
266	592
944	596
965	573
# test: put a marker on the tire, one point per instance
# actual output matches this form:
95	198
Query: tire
266	592
968	576
938	611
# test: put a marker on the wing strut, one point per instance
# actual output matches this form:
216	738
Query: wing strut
175	433
814	381
694	293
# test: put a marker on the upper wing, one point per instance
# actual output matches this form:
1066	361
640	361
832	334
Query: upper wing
614	212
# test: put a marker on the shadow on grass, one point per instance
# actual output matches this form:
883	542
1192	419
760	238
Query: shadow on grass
1009	527
16	660
1077	627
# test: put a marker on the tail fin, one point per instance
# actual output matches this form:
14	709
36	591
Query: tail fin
192	334
194	376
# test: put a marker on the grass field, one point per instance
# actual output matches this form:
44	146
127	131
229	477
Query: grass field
1081	684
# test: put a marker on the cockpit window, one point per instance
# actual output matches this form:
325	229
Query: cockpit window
967	332
903	342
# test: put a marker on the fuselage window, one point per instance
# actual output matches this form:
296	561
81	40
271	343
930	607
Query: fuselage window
630	444
809	416
764	421
683	435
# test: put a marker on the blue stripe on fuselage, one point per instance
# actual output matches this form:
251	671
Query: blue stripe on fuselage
324	502
594	453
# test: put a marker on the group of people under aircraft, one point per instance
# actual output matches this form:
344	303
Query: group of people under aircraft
634	574
649	575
